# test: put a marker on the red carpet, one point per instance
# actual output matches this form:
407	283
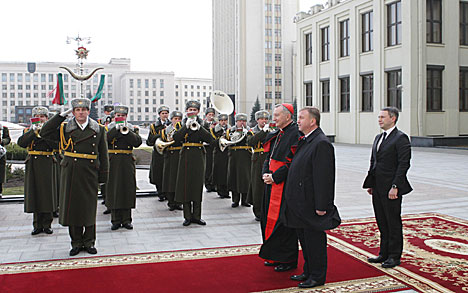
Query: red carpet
236	269
435	253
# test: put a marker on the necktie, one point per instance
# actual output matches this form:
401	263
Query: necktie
383	138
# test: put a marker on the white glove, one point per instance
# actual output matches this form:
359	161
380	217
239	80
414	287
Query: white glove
244	130
189	121
66	113
266	128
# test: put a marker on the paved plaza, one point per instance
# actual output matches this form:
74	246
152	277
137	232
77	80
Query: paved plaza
439	178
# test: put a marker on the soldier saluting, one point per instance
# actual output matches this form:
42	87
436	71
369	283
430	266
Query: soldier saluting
85	165
121	187
157	160
191	171
40	181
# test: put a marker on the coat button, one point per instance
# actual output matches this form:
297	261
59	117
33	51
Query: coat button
92	161
75	151
92	153
95	136
300	183
76	160
94	144
35	157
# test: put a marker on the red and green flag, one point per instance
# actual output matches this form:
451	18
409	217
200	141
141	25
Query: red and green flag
35	120
119	120
98	94
59	98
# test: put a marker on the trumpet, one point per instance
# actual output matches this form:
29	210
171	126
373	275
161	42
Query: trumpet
193	124
121	125
124	128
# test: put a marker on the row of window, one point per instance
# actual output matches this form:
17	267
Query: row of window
139	83
433	91
192	94
27	77
161	93
192	87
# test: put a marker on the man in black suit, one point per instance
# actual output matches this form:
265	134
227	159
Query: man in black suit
309	197
387	183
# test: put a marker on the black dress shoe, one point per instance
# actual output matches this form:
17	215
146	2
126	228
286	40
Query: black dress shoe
106	212
115	226
91	250
186	222
128	226
179	207
285	267
257	219
48	231
390	263
271	264
301	277
224	196
55	215
309	284
171	208
162	198
377	259
103	202
74	251
37	231
245	205
234	204
199	222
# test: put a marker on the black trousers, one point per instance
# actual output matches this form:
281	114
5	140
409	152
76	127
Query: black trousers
192	210
121	216
80	238
236	197
222	190
388	216
42	220
170	199
314	251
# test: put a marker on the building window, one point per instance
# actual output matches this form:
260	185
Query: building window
325	95
308	48
139	83
131	83
367	93
325	44
434	89
268	57
367	31
146	83
463	106
344	38
344	94
434	21
463	23
277	57
308	95
394	89
267	69
394	24
161	83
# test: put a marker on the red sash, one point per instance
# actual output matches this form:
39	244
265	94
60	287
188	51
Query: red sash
275	200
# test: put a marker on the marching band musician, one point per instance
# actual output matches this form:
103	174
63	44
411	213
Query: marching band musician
191	171
257	186
85	165
58	157
171	161
208	124
239	161
4	141
157	160
220	158
40	193
121	187
107	118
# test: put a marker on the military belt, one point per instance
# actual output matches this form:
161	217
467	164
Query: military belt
55	150
259	150
40	153
241	147
174	148
192	144
81	156
120	151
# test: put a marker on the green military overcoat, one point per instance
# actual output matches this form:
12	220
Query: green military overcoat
220	160
40	183
5	141
121	186
239	164
157	160
191	170
257	186
80	177
171	164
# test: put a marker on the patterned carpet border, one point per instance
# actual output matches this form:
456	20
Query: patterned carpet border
375	284
102	261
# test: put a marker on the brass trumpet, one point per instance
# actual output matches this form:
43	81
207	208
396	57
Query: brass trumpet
235	138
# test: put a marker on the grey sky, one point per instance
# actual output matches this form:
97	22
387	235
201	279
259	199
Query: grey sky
158	35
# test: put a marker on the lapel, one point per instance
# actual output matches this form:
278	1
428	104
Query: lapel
387	139
310	138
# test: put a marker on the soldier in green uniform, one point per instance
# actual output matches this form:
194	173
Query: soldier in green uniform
104	121
220	158
171	161
191	171
4	141
121	187
85	165
239	161
257	186
40	193
58	158
157	160
209	123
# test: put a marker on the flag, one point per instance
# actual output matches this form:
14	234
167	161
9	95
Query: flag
59	99
98	94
